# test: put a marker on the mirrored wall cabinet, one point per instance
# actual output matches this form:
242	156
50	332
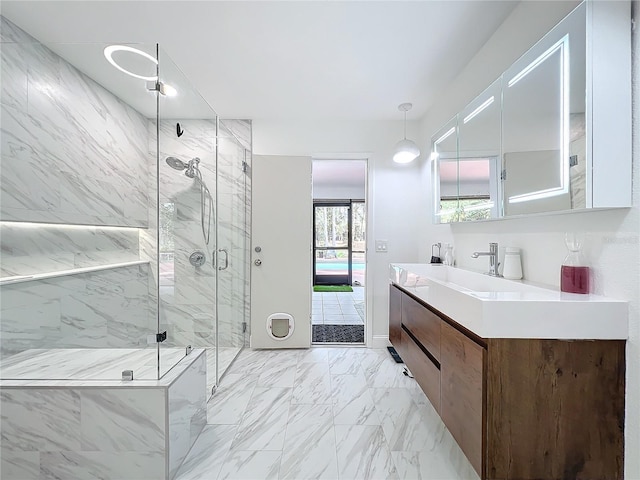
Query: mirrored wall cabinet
552	134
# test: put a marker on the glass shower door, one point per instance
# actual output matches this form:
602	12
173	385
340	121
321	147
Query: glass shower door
232	234
187	171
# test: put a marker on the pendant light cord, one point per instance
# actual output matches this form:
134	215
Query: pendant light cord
405	124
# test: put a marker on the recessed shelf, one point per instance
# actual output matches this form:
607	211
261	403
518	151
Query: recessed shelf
63	273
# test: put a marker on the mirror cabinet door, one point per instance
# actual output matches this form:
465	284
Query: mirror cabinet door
479	156
544	138
444	156
523	146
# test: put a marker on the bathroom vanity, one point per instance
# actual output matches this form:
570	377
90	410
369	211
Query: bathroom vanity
529	381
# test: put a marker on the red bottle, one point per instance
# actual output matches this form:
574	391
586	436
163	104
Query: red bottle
574	274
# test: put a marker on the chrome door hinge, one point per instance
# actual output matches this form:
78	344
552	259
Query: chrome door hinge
503	174
244	327
161	337
573	160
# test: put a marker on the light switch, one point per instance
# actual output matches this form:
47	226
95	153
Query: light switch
381	246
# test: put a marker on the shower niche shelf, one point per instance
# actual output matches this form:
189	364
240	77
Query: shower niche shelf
63	273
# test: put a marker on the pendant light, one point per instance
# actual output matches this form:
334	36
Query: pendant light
406	151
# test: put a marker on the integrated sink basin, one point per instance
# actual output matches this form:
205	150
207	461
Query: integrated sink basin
493	307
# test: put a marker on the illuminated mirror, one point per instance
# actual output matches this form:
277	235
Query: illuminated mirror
444	155
479	157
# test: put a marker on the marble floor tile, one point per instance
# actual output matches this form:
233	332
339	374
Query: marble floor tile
250	465
345	361
407	426
434	465
363	453
206	458
312	384
310	444
229	402
264	422
349	414
352	401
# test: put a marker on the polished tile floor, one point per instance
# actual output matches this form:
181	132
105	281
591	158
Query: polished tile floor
325	413
341	308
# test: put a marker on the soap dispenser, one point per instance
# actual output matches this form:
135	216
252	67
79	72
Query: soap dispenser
574	273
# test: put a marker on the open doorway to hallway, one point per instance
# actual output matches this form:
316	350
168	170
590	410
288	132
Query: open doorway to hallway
339	251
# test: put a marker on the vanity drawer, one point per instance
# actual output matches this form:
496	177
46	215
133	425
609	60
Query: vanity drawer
462	395
425	372
423	324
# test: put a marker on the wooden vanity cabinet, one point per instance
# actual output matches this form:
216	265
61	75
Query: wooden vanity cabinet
462	391
519	408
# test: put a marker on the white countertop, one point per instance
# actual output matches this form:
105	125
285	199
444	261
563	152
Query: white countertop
498	308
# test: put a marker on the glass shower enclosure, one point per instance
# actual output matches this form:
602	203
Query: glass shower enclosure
123	216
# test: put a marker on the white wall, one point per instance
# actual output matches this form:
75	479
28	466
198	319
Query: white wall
394	192
612	236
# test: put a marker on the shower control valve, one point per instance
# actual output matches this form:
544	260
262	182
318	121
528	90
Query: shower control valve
257	262
197	258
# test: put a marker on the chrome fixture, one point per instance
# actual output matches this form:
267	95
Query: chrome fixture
493	259
206	200
197	258
406	151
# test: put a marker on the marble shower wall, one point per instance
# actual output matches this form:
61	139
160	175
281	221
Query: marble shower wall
187	293
108	308
72	152
74	157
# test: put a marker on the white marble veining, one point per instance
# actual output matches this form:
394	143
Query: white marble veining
102	429
107	308
187	411
78	155
86	363
494	307
375	424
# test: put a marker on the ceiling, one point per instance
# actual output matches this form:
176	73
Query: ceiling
295	60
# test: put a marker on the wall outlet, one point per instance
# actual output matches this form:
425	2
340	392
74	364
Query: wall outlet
382	246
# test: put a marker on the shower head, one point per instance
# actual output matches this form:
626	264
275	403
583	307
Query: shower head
176	163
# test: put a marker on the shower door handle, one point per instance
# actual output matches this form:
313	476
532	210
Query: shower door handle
226	259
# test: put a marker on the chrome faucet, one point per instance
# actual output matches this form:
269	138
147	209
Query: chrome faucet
493	259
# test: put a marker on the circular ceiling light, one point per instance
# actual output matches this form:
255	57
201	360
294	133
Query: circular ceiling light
111	49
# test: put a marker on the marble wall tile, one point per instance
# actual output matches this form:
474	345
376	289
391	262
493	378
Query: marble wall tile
40	420
111	465
70	156
121	420
107	308
250	465
19	465
187	411
240	129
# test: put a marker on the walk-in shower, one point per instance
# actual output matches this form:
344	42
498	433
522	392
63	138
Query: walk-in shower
95	280
206	200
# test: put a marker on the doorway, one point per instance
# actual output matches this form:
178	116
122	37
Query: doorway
339	252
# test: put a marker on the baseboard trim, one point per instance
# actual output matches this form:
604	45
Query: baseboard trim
380	341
